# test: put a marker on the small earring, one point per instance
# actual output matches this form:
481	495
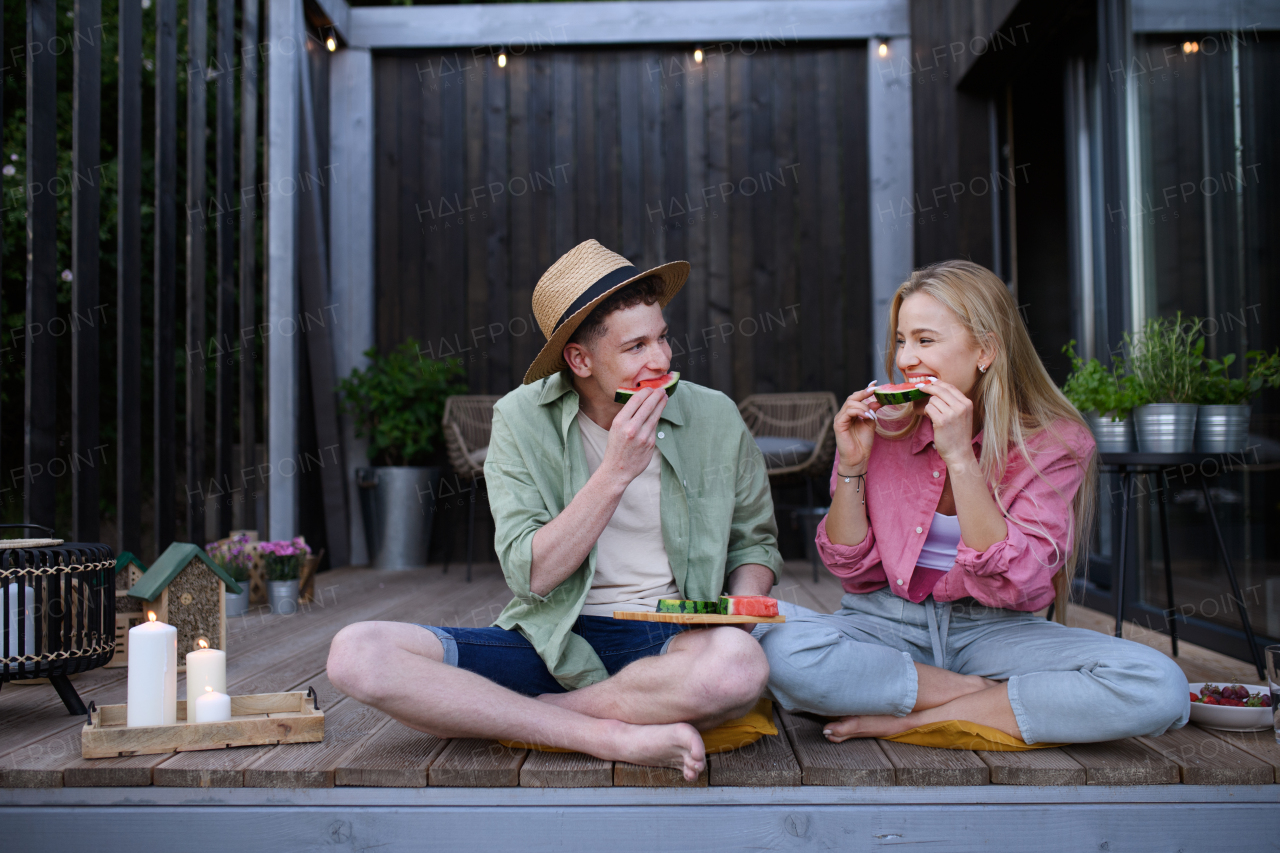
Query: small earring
982	368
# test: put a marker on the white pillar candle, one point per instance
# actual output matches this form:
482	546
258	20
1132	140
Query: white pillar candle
153	674
212	707
206	667
21	600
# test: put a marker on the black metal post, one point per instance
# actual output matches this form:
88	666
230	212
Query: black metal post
226	233
1235	585
129	281
1117	574
197	56
1171	620
42	260
86	127
166	270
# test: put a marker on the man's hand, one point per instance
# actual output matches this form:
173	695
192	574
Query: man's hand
632	435
750	579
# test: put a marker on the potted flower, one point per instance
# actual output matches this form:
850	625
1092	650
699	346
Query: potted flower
282	560
1166	358
1222	424
235	557
397	404
1105	397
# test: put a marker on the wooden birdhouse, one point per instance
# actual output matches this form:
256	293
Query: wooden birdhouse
129	610
185	588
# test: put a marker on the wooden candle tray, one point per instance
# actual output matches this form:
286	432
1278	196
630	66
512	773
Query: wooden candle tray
256	720
695	618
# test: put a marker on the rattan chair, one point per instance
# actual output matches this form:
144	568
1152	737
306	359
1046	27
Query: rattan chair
796	435
467	422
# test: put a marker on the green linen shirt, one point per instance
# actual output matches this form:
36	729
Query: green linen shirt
716	510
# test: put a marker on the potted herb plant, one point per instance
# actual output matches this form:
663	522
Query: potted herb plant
1166	358
1105	397
1222	424
397	404
235	557
282	561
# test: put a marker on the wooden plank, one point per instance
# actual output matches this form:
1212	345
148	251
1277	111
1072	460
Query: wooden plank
741	303
778	185
769	762
520	76
41	358
474	85
664	21
248	203
197	362
565	770
129	281
1261	745
132	771
608	221
503	373
650	201
675	80
764	221
86	128
719	266
296	725
314	765
395	756
826	171
813	291
1207	760
1033	767
225	322
636	776
1122	762
695	173
859	762
854	295
543	182
475	763
565	127
631	165
923	766
695	618
584	173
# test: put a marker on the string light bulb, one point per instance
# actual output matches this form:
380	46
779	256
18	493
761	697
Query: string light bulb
1191	47
331	43
502	60
697	55
883	49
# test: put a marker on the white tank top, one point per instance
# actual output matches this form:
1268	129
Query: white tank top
939	551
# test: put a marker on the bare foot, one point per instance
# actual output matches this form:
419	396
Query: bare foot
869	725
676	745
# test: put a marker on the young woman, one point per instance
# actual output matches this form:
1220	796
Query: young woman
950	518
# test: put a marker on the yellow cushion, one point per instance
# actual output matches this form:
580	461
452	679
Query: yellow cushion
962	734
734	734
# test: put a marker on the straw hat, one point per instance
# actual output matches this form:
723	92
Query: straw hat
574	285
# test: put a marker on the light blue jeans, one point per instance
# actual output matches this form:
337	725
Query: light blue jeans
1066	685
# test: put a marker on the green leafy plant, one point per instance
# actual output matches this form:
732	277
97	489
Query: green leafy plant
398	402
1220	389
1091	387
1166	358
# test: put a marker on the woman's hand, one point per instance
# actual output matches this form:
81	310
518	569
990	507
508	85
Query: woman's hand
855	427
952	415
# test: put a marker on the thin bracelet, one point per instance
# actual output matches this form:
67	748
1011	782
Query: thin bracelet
862	481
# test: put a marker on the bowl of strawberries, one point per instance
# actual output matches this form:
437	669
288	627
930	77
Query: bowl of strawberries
1233	707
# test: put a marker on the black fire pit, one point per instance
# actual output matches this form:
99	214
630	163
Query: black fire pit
57	611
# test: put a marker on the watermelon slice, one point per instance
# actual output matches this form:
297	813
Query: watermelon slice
684	605
904	392
748	605
667	382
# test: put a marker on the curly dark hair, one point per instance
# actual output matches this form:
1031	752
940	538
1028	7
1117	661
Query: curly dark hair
647	290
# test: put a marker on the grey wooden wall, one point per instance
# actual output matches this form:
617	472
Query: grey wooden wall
751	167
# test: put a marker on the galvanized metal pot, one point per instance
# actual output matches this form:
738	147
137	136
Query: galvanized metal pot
1165	427
283	596
238	603
398	505
1222	429
1112	436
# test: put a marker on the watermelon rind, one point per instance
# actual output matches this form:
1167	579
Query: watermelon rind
726	603
684	605
622	395
897	398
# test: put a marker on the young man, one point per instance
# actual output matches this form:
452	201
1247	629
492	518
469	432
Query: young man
599	506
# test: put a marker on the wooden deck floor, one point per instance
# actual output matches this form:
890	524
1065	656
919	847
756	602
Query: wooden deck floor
39	741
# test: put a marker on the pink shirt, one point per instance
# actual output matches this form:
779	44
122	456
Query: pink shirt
904	483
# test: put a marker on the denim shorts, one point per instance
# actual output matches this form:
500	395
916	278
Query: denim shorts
506	657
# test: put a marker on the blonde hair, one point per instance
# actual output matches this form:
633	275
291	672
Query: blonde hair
1015	397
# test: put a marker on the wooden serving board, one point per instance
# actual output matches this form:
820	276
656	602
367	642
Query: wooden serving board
693	618
258	719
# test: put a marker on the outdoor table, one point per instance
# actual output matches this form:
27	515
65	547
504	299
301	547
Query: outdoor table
1129	464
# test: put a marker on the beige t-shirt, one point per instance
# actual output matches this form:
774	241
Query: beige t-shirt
632	571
